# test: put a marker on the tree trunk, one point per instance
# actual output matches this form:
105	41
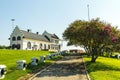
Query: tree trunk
94	57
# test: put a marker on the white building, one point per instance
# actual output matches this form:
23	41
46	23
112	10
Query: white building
26	40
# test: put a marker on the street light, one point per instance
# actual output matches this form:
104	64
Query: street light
12	23
88	13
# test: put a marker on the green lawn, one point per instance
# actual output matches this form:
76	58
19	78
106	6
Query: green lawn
103	69
9	58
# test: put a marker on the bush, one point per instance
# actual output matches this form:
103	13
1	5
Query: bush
4	47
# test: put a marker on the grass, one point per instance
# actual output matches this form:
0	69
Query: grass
10	57
103	69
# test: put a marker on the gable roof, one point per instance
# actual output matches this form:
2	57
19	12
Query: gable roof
34	36
56	36
52	35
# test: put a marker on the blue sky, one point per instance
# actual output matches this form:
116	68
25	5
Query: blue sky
53	16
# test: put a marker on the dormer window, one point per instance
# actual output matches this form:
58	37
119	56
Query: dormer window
18	38
47	38
13	38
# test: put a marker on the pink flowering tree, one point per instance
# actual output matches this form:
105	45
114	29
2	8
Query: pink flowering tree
94	36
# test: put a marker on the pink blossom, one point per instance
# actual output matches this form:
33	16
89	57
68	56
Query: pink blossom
107	28
114	39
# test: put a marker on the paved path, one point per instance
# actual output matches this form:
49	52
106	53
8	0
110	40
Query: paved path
71	67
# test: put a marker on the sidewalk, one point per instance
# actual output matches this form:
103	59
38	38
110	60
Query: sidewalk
71	67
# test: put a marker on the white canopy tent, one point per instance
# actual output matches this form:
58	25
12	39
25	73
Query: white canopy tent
65	47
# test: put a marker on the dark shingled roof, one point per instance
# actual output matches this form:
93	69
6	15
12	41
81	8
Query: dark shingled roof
53	36
34	36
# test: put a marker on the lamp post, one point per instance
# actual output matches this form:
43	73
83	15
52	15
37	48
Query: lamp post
12	23
88	13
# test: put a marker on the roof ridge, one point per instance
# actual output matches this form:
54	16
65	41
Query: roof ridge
35	36
31	32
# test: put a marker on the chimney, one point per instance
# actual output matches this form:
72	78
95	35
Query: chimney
28	30
37	33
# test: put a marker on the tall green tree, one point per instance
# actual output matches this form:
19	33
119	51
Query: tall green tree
94	36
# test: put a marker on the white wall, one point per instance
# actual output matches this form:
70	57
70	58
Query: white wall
34	42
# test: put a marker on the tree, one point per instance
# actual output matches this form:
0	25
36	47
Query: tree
93	36
4	47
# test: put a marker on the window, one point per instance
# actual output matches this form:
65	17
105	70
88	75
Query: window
48	46
41	46
35	47
59	46
56	41
14	38
13	46
18	38
29	45
18	46
44	46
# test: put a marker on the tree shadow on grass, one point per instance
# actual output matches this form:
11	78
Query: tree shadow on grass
97	66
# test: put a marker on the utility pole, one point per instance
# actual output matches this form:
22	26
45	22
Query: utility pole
12	23
88	13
